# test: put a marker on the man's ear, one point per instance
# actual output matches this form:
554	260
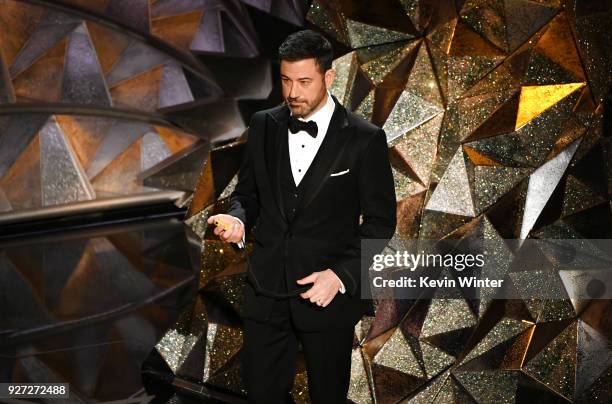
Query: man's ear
330	75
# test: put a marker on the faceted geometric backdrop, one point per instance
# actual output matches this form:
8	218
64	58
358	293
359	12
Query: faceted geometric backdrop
495	112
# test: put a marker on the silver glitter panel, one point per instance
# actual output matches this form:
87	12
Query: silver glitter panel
542	183
63	178
83	78
409	111
453	195
361	34
174	88
153	150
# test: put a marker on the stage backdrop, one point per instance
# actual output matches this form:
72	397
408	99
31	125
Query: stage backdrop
494	111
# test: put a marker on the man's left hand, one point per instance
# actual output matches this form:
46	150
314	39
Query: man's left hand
326	285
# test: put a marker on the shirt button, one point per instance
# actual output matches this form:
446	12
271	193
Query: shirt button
302	145
299	170
295	195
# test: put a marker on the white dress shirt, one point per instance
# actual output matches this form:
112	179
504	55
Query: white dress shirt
303	148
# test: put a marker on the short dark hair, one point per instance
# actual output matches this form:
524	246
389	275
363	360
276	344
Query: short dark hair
307	44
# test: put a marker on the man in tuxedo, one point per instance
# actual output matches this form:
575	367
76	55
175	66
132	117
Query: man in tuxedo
311	168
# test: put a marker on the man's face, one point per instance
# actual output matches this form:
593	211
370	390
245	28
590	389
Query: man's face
304	86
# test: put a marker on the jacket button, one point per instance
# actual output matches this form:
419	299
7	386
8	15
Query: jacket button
288	234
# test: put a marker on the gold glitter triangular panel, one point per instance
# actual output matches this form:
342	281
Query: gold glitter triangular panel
536	99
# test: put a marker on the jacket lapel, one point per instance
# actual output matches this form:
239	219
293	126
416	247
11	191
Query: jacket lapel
278	132
327	156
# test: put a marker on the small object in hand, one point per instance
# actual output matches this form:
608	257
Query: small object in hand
218	223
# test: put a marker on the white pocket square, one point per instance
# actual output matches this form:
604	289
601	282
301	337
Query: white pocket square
340	173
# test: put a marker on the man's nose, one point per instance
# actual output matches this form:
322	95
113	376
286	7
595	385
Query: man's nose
293	92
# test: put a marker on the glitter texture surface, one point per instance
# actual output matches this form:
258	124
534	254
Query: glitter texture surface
493	115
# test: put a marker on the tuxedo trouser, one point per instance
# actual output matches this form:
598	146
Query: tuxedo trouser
270	351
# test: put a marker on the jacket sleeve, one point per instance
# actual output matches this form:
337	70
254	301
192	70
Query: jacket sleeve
244	200
378	207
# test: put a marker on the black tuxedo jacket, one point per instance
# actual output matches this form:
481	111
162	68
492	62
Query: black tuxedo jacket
325	231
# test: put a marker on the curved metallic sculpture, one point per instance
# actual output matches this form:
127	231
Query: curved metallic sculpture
104	101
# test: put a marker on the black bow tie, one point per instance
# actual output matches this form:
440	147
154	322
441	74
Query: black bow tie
296	125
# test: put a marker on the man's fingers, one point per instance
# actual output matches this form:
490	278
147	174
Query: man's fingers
237	232
309	279
227	234
310	292
233	232
318	298
307	294
228	230
222	232
321	293
323	301
322	296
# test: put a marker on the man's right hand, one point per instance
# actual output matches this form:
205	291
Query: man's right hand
235	229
